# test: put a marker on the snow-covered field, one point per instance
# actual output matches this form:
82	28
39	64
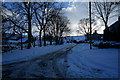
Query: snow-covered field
95	63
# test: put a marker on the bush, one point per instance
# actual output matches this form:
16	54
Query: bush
104	45
107	45
116	46
74	41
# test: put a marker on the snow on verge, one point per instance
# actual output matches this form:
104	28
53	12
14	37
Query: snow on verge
95	63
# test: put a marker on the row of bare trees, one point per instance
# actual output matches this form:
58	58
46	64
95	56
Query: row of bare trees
46	16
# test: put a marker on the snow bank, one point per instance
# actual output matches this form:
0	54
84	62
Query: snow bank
96	42
27	54
95	63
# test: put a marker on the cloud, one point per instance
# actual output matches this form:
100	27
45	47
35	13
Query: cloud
79	10
70	8
76	11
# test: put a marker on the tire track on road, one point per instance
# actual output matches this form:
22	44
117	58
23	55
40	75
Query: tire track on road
47	61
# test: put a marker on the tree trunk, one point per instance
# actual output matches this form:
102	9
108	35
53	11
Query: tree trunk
29	28
34	42
57	41
21	42
50	42
40	38
44	36
106	33
43	23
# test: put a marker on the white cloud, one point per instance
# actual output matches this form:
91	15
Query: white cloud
71	8
78	10
75	11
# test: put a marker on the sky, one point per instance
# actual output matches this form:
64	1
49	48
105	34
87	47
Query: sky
75	12
78	10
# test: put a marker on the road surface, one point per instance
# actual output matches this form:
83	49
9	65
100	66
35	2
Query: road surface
52	65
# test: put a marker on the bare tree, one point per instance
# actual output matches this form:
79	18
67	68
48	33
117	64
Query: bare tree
103	11
13	23
43	13
39	20
58	25
84	26
25	13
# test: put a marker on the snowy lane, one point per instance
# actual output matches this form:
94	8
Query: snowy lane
17	56
45	66
95	63
74	61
